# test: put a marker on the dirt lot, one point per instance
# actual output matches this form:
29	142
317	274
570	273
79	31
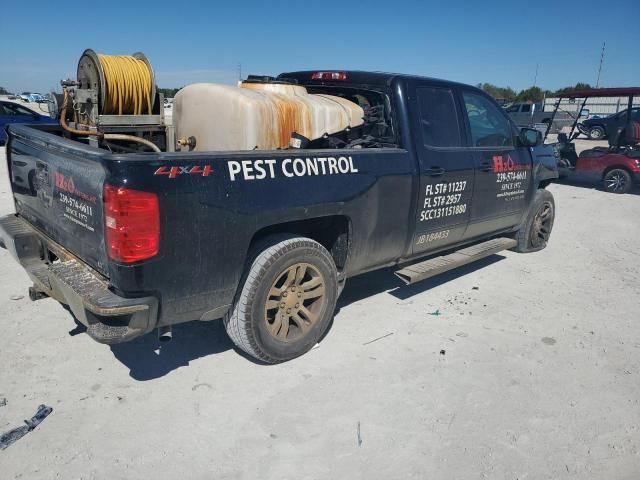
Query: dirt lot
519	367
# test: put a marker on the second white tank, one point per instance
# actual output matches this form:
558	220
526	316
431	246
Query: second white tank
260	116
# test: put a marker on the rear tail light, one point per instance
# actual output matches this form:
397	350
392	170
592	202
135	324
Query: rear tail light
329	76
132	224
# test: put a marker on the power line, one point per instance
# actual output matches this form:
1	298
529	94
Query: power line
600	67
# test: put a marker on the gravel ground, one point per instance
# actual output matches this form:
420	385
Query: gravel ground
518	367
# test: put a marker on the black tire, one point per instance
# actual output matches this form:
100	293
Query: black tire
249	324
617	180
535	230
596	133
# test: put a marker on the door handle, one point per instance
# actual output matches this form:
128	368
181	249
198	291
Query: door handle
486	167
435	171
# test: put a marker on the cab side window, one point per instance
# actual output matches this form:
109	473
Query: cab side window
438	117
489	126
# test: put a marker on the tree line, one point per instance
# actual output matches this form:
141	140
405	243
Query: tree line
508	94
531	94
168	92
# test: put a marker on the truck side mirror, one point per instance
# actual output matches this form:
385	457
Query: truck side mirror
530	137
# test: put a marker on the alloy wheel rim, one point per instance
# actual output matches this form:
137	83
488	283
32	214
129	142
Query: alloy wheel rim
542	225
616	182
295	302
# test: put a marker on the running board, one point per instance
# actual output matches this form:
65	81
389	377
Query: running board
434	266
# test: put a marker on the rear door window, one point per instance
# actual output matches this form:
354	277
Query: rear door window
489	126
438	117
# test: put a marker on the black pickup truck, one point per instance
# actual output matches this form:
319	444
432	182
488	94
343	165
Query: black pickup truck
265	240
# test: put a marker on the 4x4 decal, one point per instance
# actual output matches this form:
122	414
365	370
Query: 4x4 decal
173	172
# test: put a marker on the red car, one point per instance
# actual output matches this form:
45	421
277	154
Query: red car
618	166
617	171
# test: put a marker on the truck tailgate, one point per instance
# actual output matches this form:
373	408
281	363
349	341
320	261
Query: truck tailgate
57	187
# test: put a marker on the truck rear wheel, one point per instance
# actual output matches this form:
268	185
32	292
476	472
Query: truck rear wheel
287	300
535	230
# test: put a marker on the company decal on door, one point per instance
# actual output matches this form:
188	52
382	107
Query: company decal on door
511	177
443	199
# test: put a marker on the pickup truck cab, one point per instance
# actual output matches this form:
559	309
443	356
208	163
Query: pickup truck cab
528	114
597	128
266	239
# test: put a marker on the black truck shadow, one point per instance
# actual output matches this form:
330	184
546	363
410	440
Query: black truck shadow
148	359
379	281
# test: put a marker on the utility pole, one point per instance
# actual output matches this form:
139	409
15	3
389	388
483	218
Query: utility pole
600	67
239	71
535	78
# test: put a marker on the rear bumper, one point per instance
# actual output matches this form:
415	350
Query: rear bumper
109	318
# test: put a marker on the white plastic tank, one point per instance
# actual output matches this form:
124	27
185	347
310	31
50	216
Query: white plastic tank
261	116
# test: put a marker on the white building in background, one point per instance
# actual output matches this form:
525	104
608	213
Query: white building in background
597	106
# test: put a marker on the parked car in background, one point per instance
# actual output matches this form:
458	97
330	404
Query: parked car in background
528	114
11	112
32	97
598	128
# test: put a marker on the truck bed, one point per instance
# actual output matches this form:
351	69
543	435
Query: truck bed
211	206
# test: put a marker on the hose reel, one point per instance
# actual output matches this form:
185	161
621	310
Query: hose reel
117	84
114	97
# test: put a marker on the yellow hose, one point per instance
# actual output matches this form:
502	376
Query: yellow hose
128	85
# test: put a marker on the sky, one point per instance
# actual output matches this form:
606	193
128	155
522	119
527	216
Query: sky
495	41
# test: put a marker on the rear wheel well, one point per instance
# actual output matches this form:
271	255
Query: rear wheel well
332	232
